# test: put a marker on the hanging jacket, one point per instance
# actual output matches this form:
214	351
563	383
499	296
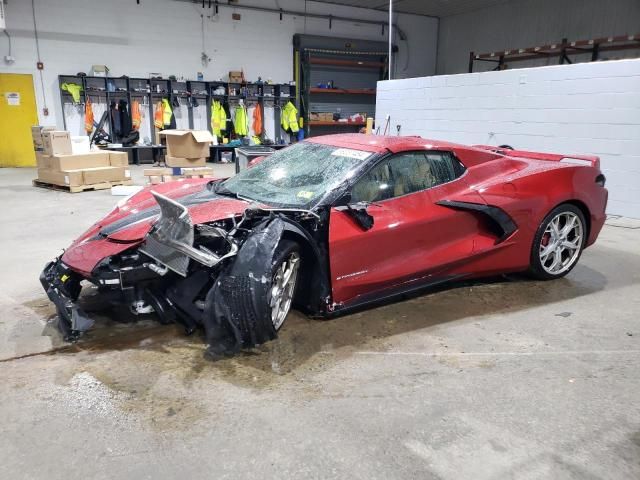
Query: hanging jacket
257	120
228	121
168	118
218	118
136	118
240	121
74	89
125	119
289	118
88	116
158	121
115	120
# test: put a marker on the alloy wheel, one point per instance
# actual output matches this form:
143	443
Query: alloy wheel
561	243
283	287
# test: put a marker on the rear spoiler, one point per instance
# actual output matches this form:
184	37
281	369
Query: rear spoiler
585	160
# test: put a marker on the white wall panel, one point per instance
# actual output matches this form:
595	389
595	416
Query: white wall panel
589	108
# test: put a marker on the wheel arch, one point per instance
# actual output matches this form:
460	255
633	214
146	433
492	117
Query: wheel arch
582	207
315	286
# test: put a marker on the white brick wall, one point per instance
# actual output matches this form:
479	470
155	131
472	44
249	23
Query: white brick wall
588	108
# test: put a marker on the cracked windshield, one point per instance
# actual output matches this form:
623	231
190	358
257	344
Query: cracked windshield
297	176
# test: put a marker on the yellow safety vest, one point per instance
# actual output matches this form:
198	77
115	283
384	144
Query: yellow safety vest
240	123
218	118
166	111
74	89
289	118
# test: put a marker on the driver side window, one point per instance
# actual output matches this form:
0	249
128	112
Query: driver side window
406	173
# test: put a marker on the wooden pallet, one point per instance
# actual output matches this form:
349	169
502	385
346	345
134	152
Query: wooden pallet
167	174
80	188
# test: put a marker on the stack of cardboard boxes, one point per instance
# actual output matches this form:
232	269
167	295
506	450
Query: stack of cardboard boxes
187	152
187	148
89	171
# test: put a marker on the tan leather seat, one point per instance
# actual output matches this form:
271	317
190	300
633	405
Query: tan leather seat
374	186
424	175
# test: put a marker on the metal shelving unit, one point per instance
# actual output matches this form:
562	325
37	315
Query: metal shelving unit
337	78
594	47
262	94
151	90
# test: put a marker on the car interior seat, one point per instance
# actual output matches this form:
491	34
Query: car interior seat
376	185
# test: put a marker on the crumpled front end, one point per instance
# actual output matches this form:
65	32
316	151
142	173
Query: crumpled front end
215	275
63	288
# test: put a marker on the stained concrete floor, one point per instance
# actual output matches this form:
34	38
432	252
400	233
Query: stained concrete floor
497	379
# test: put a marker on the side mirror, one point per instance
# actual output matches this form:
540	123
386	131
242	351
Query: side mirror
358	211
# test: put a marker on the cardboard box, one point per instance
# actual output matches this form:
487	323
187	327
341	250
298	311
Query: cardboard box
54	177
86	176
76	162
187	143
99	71
236	77
36	135
185	162
42	160
119	159
91	176
80	144
56	142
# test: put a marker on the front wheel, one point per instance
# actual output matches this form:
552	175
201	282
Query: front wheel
284	279
558	243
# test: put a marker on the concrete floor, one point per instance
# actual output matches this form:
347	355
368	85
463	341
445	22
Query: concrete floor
508	379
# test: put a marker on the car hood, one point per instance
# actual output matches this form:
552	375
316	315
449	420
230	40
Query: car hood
128	223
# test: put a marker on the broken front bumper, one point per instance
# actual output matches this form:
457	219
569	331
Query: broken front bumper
63	287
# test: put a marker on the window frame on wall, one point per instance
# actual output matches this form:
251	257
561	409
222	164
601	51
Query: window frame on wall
457	170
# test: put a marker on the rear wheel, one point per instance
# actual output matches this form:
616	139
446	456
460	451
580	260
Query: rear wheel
558	243
286	265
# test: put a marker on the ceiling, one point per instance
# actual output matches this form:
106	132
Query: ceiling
434	8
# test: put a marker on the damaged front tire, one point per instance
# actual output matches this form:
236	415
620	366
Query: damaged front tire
252	296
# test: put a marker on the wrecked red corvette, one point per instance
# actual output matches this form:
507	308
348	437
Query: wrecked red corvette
328	225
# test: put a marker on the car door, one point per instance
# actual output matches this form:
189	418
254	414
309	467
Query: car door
412	237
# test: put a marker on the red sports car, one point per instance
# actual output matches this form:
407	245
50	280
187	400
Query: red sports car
328	225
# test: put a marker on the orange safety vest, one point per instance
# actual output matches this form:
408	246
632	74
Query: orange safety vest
88	116
158	118
257	120
135	115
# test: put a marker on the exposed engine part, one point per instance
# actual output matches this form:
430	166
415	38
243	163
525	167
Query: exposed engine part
161	270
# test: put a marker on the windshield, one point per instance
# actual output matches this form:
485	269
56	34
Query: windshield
296	176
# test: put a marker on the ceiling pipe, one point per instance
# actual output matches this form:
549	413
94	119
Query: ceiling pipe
277	11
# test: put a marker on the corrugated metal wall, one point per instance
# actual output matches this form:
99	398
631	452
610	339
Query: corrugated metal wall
527	23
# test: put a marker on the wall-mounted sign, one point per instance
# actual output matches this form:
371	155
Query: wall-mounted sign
13	98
